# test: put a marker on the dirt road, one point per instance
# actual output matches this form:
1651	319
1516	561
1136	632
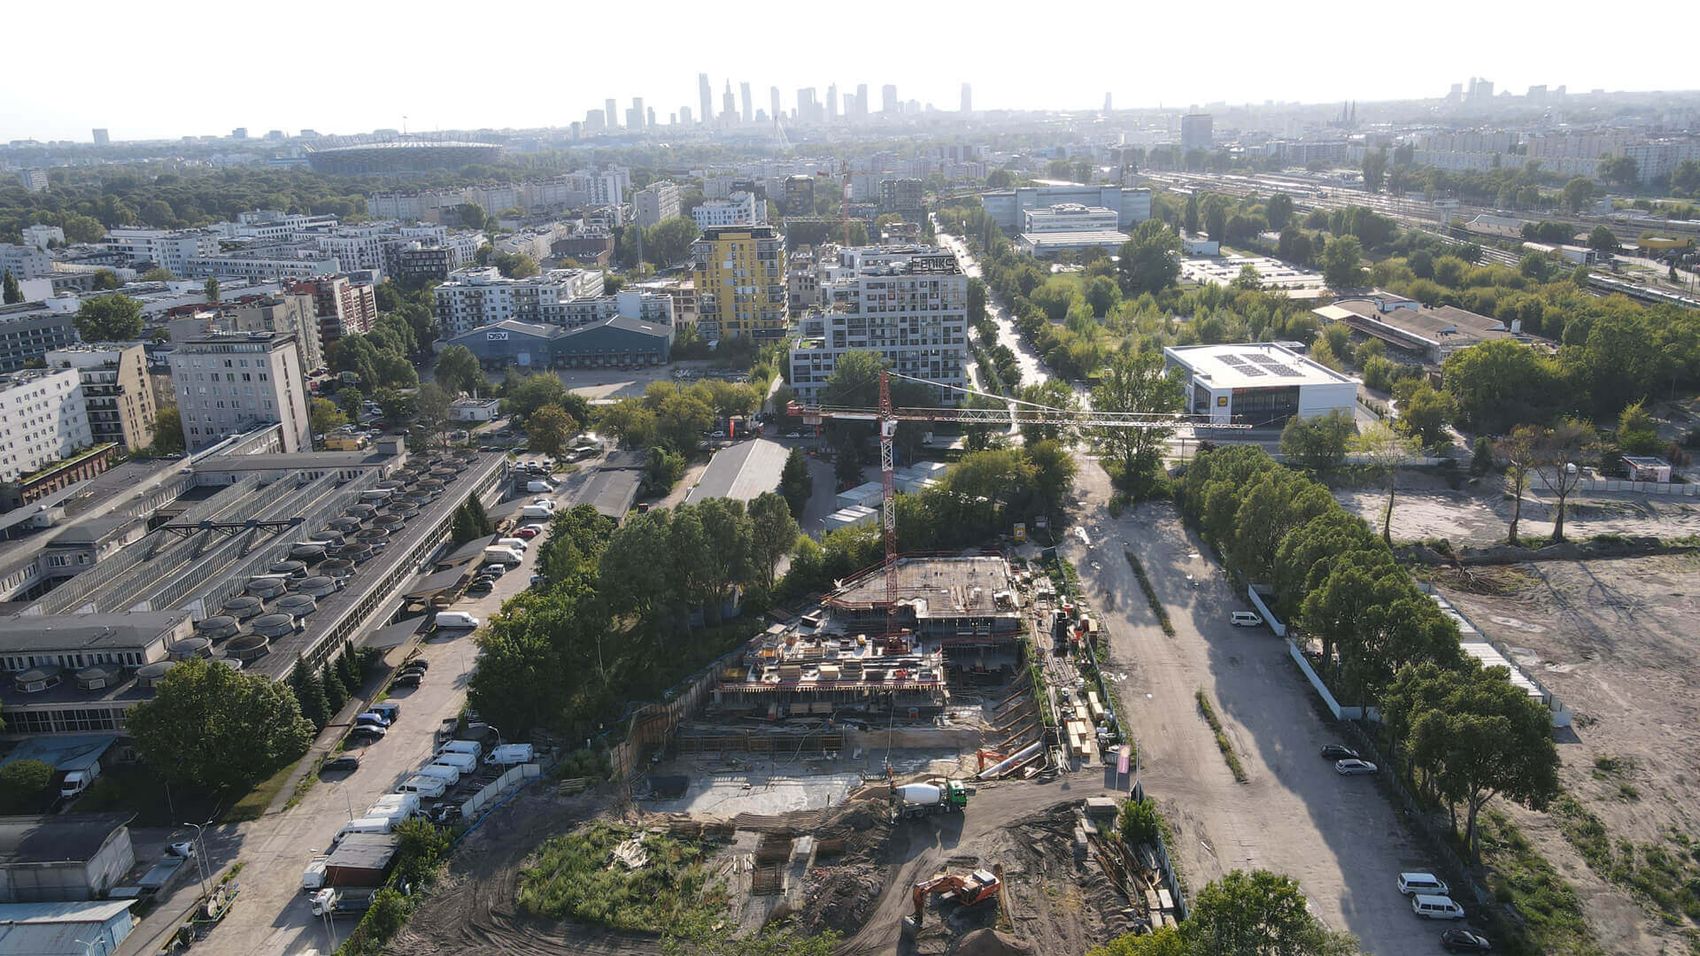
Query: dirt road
1336	835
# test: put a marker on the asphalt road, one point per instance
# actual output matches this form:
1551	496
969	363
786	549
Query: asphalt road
1336	835
271	915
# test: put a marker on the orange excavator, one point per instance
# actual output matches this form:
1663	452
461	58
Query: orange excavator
971	890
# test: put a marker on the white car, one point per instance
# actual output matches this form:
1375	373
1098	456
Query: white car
1427	884
1245	619
1352	768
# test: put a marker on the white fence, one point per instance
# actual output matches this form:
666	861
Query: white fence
496	789
1275	623
1687	489
1334	707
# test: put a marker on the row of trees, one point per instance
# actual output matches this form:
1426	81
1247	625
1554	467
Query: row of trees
610	622
1244	914
1338	581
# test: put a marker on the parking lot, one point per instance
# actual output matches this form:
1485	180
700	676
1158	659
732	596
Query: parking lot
1338	836
272	914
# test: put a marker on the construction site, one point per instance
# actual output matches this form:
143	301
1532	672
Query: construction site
941	784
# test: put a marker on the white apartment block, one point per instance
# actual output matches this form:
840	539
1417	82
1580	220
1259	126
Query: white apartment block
169	249
42	419
24	262
255	268
231	383
656	202
908	303
739	209
474	298
40	236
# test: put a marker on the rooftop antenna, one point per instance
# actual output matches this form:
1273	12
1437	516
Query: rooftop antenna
404	124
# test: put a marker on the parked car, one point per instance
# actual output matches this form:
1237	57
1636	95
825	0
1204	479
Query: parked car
184	849
1465	941
528	532
1337	752
419	662
1245	619
347	763
1436	907
793	434
445	813
493	570
480	586
366	733
408	679
373	718
1411	884
1353	767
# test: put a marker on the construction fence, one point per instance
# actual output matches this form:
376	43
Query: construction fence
513	779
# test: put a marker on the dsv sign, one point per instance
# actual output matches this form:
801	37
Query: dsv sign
497	336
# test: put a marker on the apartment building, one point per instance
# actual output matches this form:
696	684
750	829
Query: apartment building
739	209
474	298
739	276
42	236
908	303
117	397
227	383
41	420
656	202
906	197
29	330
25	261
342	307
169	249
292	313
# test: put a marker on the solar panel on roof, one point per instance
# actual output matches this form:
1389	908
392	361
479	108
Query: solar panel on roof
1250	371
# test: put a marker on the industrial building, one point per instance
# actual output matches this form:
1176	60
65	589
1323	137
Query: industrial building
742	472
257	560
1070	227
1262	384
1209	267
66	857
613	342
65	929
1427	333
1009	207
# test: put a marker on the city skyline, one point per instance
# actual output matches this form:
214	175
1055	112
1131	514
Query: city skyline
1165	75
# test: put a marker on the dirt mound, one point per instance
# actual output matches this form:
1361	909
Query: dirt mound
990	942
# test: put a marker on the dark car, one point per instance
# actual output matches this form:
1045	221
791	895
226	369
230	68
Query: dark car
445	813
416	662
408	679
366	733
1465	941
347	763
1337	752
481	586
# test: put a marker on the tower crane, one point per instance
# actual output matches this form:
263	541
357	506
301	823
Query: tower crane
1015	412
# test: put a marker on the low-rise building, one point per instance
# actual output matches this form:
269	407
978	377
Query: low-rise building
1007	207
1258	384
475	409
117	396
65	929
67	857
617	341
1428	333
25	261
1070	227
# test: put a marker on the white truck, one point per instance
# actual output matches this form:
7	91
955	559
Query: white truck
425	786
78	780
472	747
396	806
464	762
509	755
442	771
313	877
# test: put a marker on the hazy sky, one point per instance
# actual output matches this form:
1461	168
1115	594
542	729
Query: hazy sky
177	67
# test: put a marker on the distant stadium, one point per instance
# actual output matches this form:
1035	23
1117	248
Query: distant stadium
402	156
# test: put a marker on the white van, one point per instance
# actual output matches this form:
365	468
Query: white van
1245	619
536	511
470	747
1436	907
428	787
1427	884
449	620
502	556
365	825
465	763
408	802
538	484
517	544
508	755
442	771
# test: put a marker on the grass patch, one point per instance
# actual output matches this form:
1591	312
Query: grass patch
1664	877
306	783
574	876
1157	607
1521	878
1222	742
253	805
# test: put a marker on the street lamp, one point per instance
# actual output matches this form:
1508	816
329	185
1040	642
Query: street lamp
200	854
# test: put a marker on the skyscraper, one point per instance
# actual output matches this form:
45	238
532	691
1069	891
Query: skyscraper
861	110
706	94
635	116
728	107
609	114
773	94
686	117
744	95
967	98
888	99
102	138
832	103
1197	131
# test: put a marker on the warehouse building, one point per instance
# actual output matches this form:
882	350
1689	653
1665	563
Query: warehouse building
65	929
58	858
1262	384
616	342
1430	334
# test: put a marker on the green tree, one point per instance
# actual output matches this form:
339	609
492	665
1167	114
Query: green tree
1148	260
458	371
1501	383
335	694
1602	240
1375	169
669	241
109	318
1137	383
1481	456
211	290
351	400
310	695
773	534
515	265
12	294
1637	433
795	483
398	406
324	416
209	727
663	470
1102	295
472	216
158	274
1249	279
1425	414
431	403
1054	470
469	523
1318	444
1216	221
1242	914
1578	193
1385	451
1685	181
81	229
1051	393
525	394
23	786
167	431
1620	171
1518	453
1342	263
1279	211
1189	219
